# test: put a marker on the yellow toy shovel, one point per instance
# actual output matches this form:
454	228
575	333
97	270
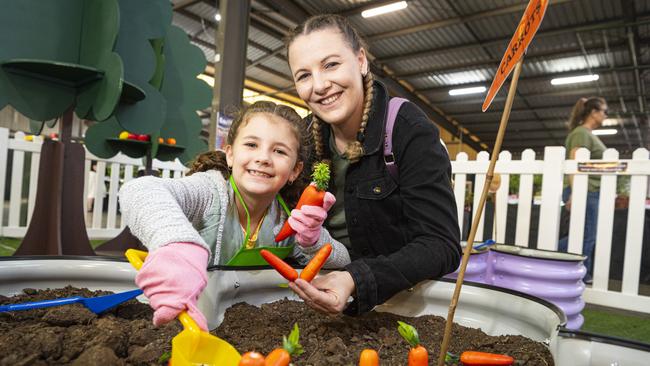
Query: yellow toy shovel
193	346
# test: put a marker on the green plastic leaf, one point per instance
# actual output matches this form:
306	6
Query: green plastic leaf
292	344
409	333
321	175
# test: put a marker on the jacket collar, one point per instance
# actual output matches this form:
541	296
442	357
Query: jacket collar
374	133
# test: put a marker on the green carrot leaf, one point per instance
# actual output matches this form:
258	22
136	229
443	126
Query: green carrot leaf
321	175
409	333
292	344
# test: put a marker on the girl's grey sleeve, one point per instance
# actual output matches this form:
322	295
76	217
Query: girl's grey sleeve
160	211
338	259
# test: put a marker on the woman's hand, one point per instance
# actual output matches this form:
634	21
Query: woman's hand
328	294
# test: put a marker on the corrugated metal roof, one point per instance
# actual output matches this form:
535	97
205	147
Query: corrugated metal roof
445	44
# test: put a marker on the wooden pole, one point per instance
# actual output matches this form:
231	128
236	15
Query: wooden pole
479	211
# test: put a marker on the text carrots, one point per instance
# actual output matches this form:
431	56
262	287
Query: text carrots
484	358
312	195
281	266
316	263
369	357
418	355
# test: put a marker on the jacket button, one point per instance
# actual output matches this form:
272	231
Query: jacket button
365	251
350	189
376	190
354	221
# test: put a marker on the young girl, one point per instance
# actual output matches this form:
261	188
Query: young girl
399	230
226	210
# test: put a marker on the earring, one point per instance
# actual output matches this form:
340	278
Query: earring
290	182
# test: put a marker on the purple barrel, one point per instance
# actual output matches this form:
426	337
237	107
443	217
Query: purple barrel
553	276
476	266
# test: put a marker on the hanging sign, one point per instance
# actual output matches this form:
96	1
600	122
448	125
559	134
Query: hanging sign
528	26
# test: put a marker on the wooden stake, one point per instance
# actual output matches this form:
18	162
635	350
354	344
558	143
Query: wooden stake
479	211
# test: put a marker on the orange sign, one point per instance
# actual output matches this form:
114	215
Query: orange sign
524	34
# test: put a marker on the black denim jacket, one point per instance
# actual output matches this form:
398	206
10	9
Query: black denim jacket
406	231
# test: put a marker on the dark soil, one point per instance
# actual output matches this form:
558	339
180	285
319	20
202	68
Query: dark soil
339	340
73	335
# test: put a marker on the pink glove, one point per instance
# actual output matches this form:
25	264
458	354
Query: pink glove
308	221
172	278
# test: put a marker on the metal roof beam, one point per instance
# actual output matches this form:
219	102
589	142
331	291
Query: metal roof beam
453	21
586	27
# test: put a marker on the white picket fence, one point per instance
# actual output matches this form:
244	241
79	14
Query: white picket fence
106	223
101	223
553	168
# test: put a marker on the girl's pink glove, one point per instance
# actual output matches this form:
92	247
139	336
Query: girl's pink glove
308	221
172	278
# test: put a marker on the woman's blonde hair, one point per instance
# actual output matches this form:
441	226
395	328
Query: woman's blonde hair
354	150
582	109
217	159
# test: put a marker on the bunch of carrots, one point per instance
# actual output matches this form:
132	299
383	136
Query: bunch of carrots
279	356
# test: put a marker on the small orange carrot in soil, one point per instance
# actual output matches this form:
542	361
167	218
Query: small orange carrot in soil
418	355
471	358
369	357
315	264
252	359
281	266
312	196
290	347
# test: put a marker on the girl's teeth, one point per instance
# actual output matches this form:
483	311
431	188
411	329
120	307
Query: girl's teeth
259	174
330	100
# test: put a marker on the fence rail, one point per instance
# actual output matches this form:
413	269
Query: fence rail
105	222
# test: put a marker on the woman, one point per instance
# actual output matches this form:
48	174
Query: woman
587	115
399	231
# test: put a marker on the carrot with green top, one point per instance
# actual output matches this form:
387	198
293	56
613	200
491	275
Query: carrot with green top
281	266
315	264
290	347
475	358
252	359
312	196
418	355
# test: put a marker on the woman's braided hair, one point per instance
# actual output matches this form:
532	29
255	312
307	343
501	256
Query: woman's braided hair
354	150
217	159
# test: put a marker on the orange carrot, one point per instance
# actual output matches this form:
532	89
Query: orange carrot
312	195
418	355
315	264
484	358
281	266
369	357
290	347
252	359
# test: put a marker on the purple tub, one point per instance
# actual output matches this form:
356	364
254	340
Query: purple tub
553	276
476	266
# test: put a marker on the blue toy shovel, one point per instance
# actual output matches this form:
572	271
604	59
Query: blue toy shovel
95	304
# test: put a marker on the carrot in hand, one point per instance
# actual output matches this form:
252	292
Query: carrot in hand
484	358
315	264
418	355
369	357
290	347
312	196
281	266
252	359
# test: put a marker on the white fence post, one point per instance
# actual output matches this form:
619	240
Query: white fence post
525	202
501	204
634	234
15	195
4	155
606	204
460	180
549	211
579	190
479	181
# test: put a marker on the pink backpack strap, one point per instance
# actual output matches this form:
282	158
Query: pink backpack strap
389	158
